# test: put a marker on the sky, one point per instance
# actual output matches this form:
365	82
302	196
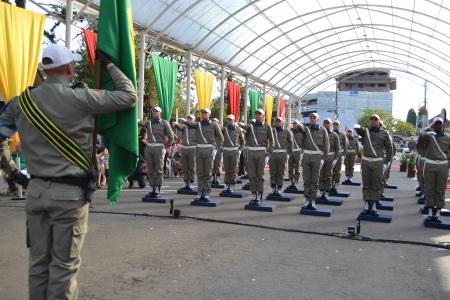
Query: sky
409	92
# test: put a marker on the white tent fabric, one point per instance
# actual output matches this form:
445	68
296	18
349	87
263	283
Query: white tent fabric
297	45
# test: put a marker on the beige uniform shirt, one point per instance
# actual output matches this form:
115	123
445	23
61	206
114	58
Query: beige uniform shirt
352	144
297	139
282	140
157	131
72	110
209	134
380	141
334	143
319	138
189	133
343	142
259	136
429	146
233	137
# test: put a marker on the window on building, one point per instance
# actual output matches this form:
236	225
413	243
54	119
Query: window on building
311	102
360	85
372	85
382	85
348	85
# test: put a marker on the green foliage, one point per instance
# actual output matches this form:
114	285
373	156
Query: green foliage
411	163
411	117
387	118
404	128
404	159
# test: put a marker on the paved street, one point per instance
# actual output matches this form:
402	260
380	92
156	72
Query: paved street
135	257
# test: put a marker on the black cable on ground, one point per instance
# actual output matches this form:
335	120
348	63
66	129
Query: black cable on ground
340	235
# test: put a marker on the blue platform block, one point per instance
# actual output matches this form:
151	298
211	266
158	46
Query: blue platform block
381	218
159	199
293	191
442	225
391	186
246	187
421	201
238	181
320	212
208	203
184	191
384	206
261	207
387	198
444	212
340	194
351	183
332	202
419	194
217	186
244	177
279	197
286	179
232	194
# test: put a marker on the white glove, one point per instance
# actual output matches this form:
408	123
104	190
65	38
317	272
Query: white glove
301	157
239	154
266	161
334	163
385	167
342	157
163	152
356	126
214	152
321	164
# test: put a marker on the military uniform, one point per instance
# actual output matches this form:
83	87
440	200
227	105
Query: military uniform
377	153
315	146
435	154
329	163
188	149
294	160
217	159
277	161
259	141
159	136
209	139
350	157
387	171
419	164
343	143
232	146
57	211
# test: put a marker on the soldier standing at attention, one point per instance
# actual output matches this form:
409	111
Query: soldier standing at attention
209	140
57	196
316	146
435	147
342	153
329	161
350	156
188	149
233	144
217	159
259	141
277	161
377	153
294	160
158	131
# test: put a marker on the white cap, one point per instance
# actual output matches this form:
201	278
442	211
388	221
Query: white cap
231	117
336	122
261	111
279	118
206	110
328	120
192	117
314	114
156	108
295	121
59	55
437	119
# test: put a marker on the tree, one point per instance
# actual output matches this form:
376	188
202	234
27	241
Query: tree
387	119
411	117
403	128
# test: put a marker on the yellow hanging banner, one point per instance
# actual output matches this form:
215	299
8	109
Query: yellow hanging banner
269	108
20	43
204	85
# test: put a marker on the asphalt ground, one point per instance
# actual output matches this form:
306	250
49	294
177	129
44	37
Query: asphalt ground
159	257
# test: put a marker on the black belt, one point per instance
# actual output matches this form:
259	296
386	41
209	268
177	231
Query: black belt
69	180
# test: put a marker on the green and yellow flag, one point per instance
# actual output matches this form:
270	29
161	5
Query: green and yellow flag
118	129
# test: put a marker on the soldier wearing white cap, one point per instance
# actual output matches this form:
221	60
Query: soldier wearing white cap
233	144
209	139
294	160
259	142
315	149
329	161
188	149
343	142
159	137
435	145
217	159
281	149
57	197
349	160
377	153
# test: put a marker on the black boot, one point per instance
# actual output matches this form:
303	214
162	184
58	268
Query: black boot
157	191
372	209
292	186
254	201
334	188
366	210
324	196
260	196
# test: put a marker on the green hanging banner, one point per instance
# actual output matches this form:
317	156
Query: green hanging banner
254	101
166	84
